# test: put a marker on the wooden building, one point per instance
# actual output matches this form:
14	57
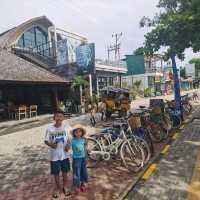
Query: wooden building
24	83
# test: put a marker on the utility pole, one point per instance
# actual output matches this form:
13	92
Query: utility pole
117	44
116	47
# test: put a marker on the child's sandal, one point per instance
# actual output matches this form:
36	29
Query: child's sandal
55	195
83	188
77	190
66	192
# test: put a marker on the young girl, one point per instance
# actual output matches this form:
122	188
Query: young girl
79	145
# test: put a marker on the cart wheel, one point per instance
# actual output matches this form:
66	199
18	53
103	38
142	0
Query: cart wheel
108	114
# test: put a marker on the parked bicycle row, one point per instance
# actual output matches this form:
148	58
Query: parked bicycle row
132	138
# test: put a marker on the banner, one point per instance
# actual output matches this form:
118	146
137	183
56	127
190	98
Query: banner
85	58
62	52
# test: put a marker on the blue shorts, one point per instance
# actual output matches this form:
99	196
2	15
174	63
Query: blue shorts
60	165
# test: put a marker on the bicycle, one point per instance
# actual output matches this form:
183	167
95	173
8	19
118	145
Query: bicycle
154	125
136	135
130	152
186	105
141	134
174	115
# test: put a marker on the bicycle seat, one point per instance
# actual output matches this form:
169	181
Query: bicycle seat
119	125
142	107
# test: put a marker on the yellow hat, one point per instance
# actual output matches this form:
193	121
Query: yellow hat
79	126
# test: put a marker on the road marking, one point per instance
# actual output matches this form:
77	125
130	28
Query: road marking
149	171
175	136
194	187
165	150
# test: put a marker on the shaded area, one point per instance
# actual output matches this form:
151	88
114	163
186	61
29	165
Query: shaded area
24	126
25	175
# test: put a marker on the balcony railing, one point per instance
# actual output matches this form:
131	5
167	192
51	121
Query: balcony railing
45	52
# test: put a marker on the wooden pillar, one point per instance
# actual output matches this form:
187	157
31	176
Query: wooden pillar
55	98
120	80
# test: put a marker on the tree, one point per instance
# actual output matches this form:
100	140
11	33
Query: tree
137	84
196	61
139	51
175	28
79	82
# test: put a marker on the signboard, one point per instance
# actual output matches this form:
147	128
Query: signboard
85	58
62	52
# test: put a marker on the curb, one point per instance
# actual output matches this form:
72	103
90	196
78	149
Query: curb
152	164
156	158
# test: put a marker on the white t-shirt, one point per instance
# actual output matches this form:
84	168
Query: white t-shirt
61	136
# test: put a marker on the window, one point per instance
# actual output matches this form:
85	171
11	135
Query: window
32	38
29	38
41	36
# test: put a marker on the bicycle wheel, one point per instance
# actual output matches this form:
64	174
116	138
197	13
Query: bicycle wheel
132	155
149	141
176	121
94	151
145	147
105	139
157	132
168	123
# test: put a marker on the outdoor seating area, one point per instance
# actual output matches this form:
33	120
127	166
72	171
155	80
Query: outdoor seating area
23	112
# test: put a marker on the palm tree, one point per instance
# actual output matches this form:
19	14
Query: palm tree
79	82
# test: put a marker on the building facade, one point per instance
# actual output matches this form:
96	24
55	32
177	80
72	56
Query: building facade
109	74
146	69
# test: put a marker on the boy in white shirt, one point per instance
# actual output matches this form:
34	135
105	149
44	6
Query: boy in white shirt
58	139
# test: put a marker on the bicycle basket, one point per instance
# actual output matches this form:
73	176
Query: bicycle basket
134	122
157	103
156	110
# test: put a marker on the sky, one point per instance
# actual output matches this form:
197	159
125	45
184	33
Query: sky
95	19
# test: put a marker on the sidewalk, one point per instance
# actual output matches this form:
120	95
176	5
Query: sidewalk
177	175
